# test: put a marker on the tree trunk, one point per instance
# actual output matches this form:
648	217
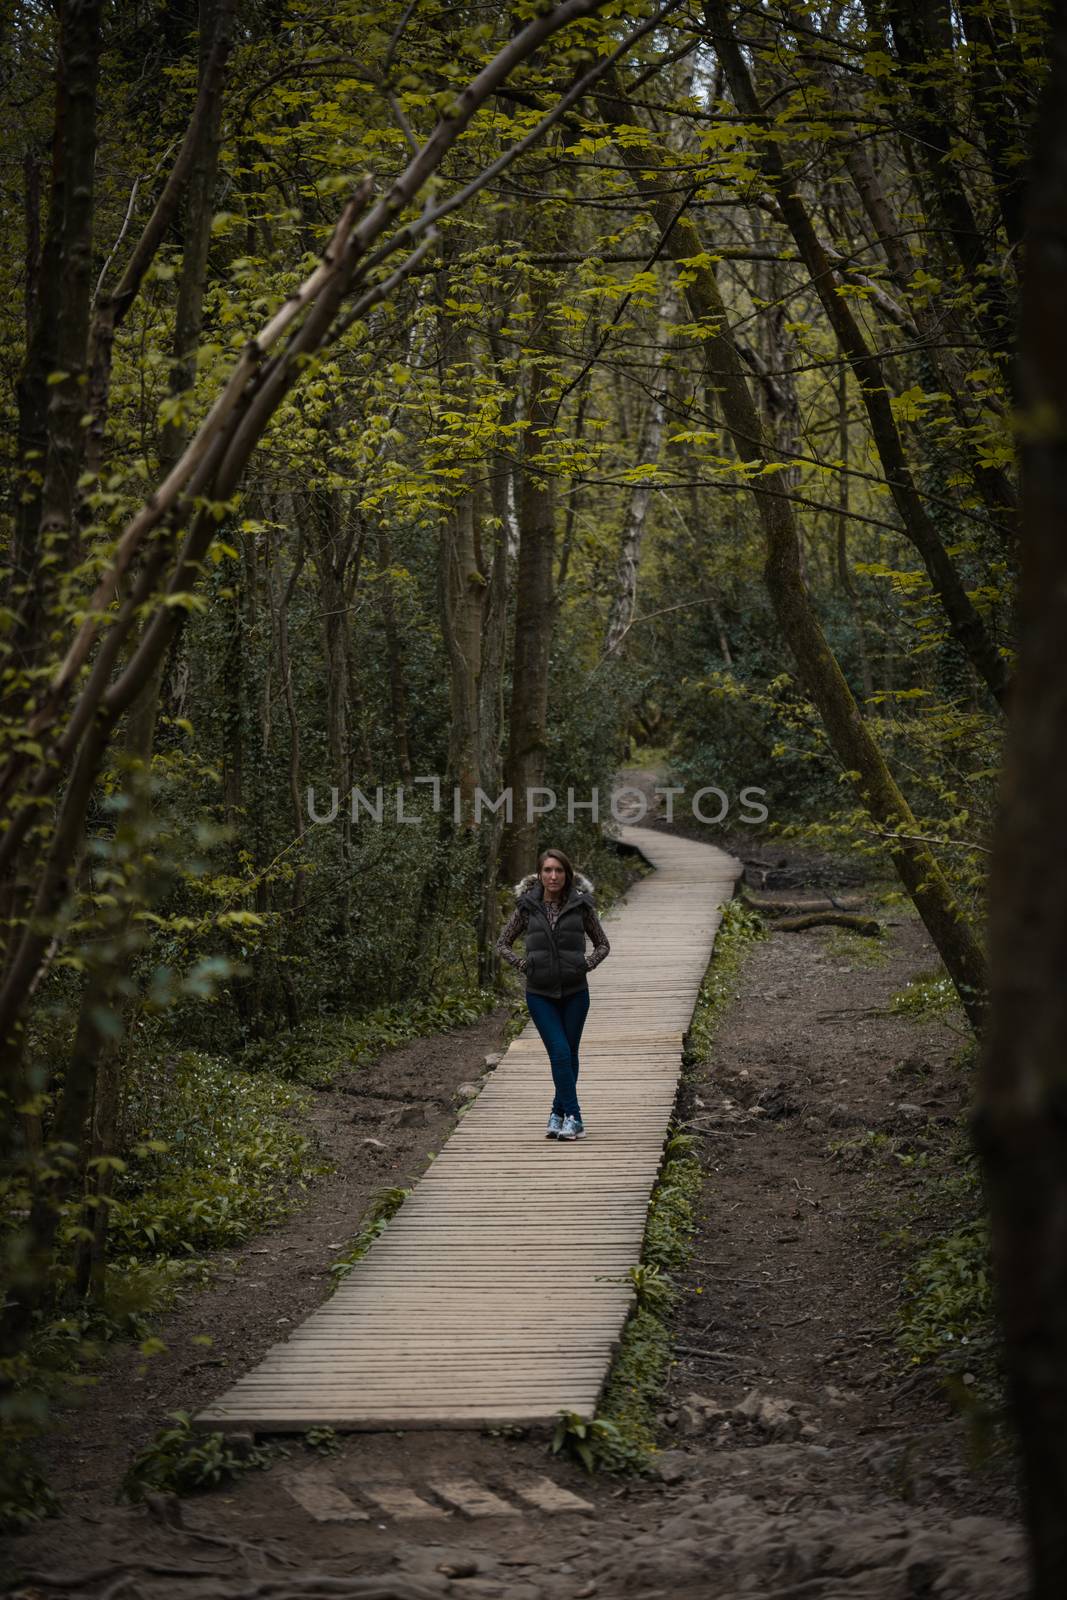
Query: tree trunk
332	546
649	446
205	141
282	601
101	1055
844	574
462	596
997	72
1022	1117
50	432
535	611
491	718
398	694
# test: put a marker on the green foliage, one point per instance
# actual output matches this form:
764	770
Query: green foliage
948	1301
323	1440
595	1443
739	930
929	997
735	732
671	1219
870	1147
182	1461
25	1497
233	1160
652	1290
380	1213
946	1317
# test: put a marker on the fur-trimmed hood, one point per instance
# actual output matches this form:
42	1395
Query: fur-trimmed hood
581	885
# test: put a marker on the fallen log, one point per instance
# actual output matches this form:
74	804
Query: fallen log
794	907
869	926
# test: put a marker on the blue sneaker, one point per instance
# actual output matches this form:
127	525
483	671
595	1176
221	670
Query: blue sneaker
555	1126
572	1128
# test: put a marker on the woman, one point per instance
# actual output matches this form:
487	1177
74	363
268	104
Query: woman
554	910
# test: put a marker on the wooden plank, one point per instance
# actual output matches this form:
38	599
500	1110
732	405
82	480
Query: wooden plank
545	1495
396	1500
472	1498
321	1499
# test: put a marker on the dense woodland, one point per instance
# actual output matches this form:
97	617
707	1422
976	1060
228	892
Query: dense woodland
482	393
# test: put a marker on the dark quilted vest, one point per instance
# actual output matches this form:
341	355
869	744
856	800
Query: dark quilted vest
555	957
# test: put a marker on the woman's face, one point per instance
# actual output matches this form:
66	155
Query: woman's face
553	877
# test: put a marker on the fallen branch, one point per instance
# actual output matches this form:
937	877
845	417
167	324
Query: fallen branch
708	1355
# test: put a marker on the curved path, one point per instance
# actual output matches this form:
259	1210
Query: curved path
498	1293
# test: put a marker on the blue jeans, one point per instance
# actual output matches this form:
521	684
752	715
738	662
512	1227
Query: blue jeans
560	1023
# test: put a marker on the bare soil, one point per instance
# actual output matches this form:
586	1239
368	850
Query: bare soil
843	1473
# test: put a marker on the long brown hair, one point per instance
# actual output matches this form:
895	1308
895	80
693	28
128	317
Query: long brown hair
565	863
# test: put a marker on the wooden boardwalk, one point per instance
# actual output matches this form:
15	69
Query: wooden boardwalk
498	1293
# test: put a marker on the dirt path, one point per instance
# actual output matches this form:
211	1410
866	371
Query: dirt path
841	1476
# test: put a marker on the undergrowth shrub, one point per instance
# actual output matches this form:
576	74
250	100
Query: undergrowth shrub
181	1461
25	1497
221	1157
948	1301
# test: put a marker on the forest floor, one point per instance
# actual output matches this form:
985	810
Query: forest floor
801	1456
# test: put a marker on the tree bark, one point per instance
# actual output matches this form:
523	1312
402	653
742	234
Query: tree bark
51	397
98	1056
204	139
535	610
491	696
1022	1117
649	446
463	581
398	694
335	548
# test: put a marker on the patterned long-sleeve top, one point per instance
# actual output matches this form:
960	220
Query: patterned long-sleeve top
519	919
